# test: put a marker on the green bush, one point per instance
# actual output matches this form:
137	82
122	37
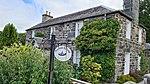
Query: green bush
25	65
138	76
125	78
8	36
98	39
22	65
63	71
90	69
39	34
143	62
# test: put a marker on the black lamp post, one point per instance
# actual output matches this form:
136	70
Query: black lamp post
51	65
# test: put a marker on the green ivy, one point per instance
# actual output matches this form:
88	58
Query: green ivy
98	38
143	62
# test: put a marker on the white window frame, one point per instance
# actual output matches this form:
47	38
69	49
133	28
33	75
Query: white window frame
52	31
127	63
33	33
140	35
77	54
139	61
128	29
79	25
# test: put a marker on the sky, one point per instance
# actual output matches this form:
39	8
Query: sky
27	13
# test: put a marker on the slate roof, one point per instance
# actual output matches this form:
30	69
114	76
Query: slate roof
148	46
76	16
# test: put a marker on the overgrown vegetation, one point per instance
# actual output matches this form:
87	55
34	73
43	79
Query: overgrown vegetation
39	34
90	69
22	38
125	78
98	39
8	36
143	62
145	16
25	65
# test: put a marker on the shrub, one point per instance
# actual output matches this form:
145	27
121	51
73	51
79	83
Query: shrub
143	62
137	76
90	69
125	78
22	65
39	34
98	39
62	73
25	65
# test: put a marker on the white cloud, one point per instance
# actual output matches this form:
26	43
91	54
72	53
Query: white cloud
24	15
20	14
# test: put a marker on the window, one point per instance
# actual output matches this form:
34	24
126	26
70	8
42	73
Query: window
140	35
52	30
33	33
139	59
76	58
127	64
79	25
128	29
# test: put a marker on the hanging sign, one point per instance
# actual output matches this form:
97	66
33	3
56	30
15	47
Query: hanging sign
62	53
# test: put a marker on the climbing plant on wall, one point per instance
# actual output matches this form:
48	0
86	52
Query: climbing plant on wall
143	62
98	38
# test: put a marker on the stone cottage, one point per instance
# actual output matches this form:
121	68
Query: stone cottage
132	37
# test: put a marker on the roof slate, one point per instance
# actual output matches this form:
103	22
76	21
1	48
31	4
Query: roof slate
75	16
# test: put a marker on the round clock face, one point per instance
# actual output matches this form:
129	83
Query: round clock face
62	53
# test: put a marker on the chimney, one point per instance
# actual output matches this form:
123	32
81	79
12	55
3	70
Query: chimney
46	16
131	8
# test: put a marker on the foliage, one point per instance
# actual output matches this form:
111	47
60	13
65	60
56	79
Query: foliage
98	39
0	33
39	34
143	62
22	65
63	71
77	72
145	16
90	69
138	76
9	35
22	38
125	78
107	61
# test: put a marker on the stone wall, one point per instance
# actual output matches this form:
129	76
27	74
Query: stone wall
67	31
125	45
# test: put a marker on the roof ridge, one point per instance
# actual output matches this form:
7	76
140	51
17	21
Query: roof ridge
111	9
93	11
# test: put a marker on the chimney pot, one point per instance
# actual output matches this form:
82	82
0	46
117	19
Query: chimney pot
46	12
46	16
49	13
